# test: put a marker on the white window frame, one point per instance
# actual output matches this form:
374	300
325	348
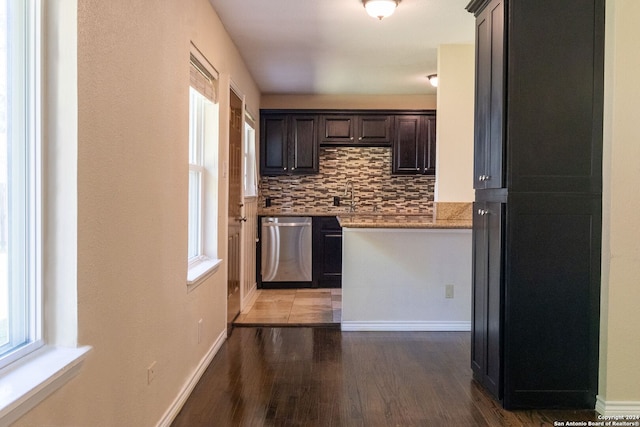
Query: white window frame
203	161
196	165
31	377
24	188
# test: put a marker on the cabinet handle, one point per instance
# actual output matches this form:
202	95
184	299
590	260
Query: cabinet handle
360	139
483	212
351	138
481	178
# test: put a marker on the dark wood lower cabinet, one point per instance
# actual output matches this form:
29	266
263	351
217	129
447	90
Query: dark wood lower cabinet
552	300
486	360
536	299
327	252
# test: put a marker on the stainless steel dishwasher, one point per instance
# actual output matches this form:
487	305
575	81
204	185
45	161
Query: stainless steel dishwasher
286	249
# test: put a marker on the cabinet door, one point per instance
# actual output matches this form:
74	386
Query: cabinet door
486	353
374	130
554	105
430	146
327	252
552	300
274	145
408	146
479	302
337	129
489	120
303	144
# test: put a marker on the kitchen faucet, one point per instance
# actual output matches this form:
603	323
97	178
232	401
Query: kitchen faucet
348	191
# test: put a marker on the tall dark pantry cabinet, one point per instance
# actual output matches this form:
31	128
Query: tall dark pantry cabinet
537	214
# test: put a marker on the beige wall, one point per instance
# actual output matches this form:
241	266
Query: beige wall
620	322
454	171
132	301
330	102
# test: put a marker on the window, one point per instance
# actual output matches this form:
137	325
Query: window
23	211
20	182
203	169
250	176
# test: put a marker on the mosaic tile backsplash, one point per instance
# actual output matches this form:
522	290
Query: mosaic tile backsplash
374	188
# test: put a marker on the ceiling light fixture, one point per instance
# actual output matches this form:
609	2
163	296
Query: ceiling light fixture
433	79
380	8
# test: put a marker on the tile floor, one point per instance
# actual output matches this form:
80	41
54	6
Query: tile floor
293	307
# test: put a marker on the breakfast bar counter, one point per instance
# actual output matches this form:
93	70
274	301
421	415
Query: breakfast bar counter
373	220
407	272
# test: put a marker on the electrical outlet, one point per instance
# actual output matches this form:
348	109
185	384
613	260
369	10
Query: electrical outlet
199	331
151	372
336	201
448	292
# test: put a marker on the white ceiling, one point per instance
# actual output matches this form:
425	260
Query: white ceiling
334	47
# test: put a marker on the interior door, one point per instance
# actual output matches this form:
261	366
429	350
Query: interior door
235	213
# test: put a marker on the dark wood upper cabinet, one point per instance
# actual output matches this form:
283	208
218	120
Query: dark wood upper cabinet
290	139
303	144
414	145
274	145
355	128
374	130
489	112
289	144
337	129
546	77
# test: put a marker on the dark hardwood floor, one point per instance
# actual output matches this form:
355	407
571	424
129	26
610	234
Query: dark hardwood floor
325	377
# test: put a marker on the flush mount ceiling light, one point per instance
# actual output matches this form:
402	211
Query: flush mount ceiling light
380	8
433	79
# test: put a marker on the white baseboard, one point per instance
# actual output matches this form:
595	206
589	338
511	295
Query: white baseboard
182	397
425	326
614	408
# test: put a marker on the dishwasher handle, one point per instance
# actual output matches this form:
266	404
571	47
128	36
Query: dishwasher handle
286	224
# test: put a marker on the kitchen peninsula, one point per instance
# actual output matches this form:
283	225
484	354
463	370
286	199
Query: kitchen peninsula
407	272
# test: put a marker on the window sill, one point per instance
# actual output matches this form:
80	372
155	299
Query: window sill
27	382
201	270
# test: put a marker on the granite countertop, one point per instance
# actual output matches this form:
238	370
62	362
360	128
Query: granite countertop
399	221
447	215
302	212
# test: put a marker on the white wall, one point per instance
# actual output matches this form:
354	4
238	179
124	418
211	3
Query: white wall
619	382
394	279
454	155
132	134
